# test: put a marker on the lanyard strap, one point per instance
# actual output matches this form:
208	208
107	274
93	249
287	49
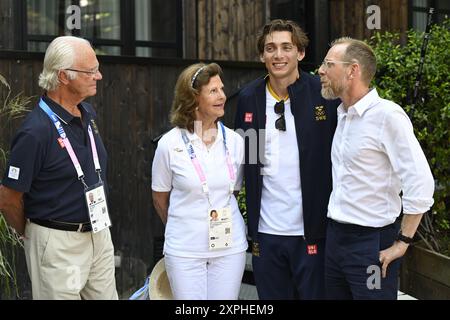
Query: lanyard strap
198	167
228	157
94	150
195	162
68	145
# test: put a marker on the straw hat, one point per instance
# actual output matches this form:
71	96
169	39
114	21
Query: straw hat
159	283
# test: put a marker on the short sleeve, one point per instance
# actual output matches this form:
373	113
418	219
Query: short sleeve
161	172
25	162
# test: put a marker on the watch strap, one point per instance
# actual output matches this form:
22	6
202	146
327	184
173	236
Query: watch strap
404	238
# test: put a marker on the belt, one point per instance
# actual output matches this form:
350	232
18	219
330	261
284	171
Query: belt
358	228
65	226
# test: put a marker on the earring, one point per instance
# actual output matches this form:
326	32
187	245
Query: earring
196	108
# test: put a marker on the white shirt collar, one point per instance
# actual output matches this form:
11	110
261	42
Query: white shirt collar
192	136
362	105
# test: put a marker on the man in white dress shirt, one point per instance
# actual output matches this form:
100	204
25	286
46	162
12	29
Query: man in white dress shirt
375	156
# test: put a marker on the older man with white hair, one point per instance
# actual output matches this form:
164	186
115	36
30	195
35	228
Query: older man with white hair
57	160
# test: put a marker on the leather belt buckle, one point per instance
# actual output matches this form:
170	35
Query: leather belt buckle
84	227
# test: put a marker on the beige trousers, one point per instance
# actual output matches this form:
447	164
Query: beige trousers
68	265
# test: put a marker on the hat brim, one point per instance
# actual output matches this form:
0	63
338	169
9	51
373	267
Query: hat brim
159	286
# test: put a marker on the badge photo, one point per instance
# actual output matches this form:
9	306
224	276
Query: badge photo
214	215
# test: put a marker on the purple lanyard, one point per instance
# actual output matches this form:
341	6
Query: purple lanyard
68	145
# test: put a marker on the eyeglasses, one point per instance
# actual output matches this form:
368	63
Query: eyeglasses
92	73
330	63
280	123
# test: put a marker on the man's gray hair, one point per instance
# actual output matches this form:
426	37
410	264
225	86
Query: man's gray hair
60	55
360	52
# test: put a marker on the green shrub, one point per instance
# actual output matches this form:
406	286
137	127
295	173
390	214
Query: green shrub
241	203
397	70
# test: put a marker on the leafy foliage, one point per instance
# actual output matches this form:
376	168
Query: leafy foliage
8	242
242	204
398	66
11	108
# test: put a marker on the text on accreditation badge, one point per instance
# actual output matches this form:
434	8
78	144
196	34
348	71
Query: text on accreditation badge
220	228
98	208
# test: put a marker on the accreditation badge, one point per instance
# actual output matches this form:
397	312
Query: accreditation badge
97	207
220	228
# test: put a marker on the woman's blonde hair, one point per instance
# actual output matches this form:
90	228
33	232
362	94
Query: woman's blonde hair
187	88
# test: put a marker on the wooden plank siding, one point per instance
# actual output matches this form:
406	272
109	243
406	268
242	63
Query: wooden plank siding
190	23
132	104
348	18
227	29
425	274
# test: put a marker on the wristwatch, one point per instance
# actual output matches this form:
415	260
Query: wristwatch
404	239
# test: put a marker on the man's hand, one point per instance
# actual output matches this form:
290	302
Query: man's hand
397	250
410	223
11	205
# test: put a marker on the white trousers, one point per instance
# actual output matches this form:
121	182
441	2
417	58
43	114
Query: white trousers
66	265
205	278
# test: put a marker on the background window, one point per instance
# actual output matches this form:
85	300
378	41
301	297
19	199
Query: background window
302	12
419	12
289	9
100	19
156	24
149	28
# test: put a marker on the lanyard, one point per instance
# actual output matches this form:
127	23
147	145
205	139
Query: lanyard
68	145
198	167
228	157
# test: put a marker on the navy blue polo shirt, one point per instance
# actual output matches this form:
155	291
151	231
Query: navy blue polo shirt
46	174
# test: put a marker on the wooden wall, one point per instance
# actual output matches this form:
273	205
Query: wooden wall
227	29
425	275
132	103
348	18
190	29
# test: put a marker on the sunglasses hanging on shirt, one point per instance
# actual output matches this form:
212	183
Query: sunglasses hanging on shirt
280	123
